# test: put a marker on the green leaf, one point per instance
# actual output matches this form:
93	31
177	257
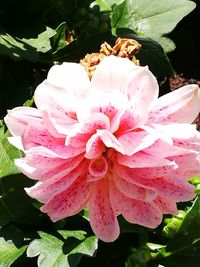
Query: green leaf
9	252
189	231
53	251
28	49
7	154
59	39
151	18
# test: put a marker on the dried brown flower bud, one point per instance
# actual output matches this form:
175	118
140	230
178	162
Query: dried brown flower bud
126	48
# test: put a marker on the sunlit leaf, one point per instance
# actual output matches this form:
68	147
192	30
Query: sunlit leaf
53	251
9	252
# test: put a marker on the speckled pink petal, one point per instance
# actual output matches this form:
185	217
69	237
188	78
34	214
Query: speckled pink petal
102	217
94	147
145	160
44	191
142	140
18	118
136	211
42	164
181	105
96	121
97	168
134	191
167	205
68	202
110	140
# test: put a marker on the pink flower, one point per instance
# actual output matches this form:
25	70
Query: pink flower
109	145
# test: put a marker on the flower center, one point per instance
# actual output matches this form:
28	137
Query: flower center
97	168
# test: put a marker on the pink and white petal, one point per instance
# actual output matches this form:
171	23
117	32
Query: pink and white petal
120	74
102	217
110	140
144	160
134	191
167	205
135	141
125	121
43	164
94	147
135	211
69	202
96	121
44	191
136	174
59	125
18	118
70	76
113	74
97	168
78	139
174	188
36	134
181	105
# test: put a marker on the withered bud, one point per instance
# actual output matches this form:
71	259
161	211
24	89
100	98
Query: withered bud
126	48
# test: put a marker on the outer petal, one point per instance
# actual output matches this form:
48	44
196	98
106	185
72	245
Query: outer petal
182	105
18	118
102	217
68	202
135	211
41	164
63	81
44	191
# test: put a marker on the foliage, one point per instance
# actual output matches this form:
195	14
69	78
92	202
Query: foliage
37	35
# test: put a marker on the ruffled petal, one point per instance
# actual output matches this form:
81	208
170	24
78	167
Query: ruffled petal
18	118
69	202
135	211
167	205
144	160
181	105
137	83
102	217
135	141
44	191
41	164
134	191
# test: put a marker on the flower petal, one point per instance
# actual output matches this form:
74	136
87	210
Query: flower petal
144	160
18	118
137	83
44	191
69	202
102	217
135	211
181	105
134	191
41	164
167	205
135	141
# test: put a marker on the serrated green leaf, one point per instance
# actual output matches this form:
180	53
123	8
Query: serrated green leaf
9	252
54	252
7	154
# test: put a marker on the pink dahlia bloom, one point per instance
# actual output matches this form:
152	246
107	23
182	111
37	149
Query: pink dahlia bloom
109	145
